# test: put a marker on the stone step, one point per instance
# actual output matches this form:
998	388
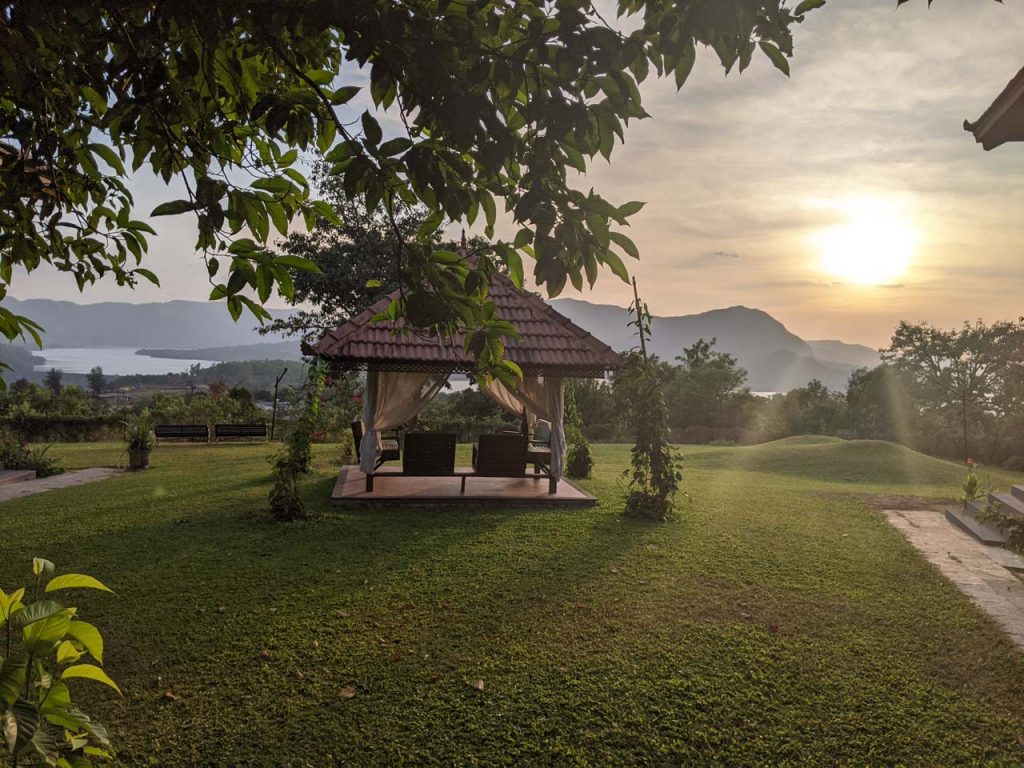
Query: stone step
982	530
1006	558
1009	504
8	476
1018	491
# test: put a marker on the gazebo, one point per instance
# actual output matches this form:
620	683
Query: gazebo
1003	121
405	371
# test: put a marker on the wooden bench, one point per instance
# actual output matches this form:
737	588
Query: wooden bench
232	431
182	432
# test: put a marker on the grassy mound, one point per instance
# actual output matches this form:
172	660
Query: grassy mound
808	440
873	463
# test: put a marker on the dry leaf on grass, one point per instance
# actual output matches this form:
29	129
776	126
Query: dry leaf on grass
348	692
479	685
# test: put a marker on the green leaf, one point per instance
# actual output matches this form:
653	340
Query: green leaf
777	57
685	65
40	636
625	244
41	567
630	208
615	264
146	274
89	672
67	652
487	202
172	207
344	94
372	133
515	268
89	637
297	262
430	225
807	5
12	678
395	146
76	581
36	612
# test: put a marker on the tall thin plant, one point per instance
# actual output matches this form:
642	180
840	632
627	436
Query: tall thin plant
655	475
297	456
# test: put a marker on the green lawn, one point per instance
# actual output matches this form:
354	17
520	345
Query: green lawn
777	620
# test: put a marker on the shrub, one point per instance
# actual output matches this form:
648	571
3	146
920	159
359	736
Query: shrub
579	460
1014	463
45	645
17	455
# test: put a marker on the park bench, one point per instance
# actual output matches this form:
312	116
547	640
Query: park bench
234	431
182	432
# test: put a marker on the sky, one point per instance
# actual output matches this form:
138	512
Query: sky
788	194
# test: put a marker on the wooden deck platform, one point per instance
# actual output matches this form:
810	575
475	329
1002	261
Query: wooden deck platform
500	491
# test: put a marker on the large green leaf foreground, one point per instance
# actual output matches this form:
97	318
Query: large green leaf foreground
778	620
492	104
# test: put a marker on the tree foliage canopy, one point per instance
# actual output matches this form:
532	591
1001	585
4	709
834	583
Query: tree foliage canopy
974	367
489	105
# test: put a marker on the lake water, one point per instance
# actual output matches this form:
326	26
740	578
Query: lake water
115	361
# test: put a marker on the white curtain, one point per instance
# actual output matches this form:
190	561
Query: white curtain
541	396
507	400
391	399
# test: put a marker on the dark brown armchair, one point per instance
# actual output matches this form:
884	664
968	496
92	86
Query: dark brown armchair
500	455
429	453
389	449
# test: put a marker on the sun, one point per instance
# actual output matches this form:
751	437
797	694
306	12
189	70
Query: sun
874	246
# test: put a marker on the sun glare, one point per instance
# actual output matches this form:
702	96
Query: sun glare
873	246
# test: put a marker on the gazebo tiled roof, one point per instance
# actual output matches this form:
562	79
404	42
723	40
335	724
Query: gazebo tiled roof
549	343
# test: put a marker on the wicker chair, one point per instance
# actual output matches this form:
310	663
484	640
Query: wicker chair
500	455
389	449
429	453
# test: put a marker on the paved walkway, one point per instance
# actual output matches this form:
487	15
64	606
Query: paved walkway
974	567
66	480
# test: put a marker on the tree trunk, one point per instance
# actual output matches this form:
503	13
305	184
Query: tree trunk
963	419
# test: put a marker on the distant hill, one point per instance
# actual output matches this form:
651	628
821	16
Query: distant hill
776	359
19	361
178	324
278	350
856	355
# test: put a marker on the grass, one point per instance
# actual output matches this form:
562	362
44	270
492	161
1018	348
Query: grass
778	620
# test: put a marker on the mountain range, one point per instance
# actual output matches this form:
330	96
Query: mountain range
776	359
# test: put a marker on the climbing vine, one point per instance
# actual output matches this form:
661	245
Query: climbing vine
655	474
296	458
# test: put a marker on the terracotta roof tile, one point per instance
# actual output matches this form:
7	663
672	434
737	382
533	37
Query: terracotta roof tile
548	341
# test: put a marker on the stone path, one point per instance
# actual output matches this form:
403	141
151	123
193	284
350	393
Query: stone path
66	480
974	567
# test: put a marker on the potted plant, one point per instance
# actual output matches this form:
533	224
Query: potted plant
139	437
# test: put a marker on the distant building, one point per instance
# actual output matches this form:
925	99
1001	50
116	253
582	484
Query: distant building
1003	121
